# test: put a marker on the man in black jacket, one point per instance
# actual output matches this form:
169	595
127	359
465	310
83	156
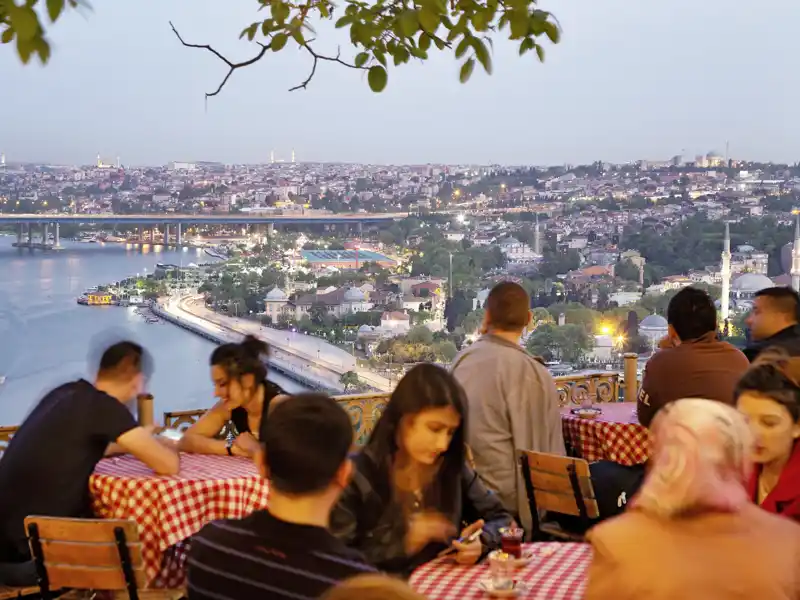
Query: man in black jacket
773	322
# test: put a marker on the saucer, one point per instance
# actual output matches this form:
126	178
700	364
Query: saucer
487	586
586	413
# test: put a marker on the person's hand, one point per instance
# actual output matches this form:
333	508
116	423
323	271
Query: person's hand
427	527
667	342
153	429
468	553
247	443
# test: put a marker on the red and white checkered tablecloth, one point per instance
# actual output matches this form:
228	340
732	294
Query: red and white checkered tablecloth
614	435
556	572
171	509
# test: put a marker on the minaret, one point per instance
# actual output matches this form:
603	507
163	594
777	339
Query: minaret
796	255
119	163
99	162
272	157
726	275
2	160
292	156
537	239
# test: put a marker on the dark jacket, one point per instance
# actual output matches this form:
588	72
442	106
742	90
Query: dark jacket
369	520
787	339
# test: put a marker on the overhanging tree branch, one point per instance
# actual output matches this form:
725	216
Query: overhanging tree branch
317	58
232	66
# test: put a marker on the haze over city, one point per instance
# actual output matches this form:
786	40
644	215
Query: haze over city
628	81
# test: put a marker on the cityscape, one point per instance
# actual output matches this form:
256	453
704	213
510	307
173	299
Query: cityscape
392	264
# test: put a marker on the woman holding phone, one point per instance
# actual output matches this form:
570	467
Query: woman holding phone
413	495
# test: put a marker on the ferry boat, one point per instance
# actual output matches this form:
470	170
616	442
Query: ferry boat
95	298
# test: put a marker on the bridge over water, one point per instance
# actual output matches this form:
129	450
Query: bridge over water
26	222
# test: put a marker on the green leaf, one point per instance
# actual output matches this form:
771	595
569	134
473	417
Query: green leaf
480	21
519	25
361	59
43	49
466	70
540	52
439	43
280	10
552	31
462	47
527	44
278	42
377	78
482	54
424	41
409	23
24	49
297	36
266	26
54	8
380	56
344	21
26	24
7	36
429	20
251	31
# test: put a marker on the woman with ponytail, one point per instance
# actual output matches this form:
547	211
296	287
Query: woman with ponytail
239	373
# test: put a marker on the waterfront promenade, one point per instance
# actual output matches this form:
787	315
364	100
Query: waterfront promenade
307	355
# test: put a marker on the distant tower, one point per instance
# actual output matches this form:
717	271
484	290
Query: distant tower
2	160
272	157
796	255
726	275
641	274
292	155
537	237
119	163
99	161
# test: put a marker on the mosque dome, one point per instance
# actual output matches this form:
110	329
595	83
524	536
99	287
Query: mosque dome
653	322
276	294
366	329
354	295
750	283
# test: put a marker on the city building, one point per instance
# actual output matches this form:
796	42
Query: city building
344	259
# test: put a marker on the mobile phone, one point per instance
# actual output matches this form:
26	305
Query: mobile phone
462	540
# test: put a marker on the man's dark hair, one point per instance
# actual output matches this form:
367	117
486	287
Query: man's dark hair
123	360
692	313
783	300
508	306
307	438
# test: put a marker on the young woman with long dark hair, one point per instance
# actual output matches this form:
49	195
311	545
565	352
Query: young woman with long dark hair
413	493
239	373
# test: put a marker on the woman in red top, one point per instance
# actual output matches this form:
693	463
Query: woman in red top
769	396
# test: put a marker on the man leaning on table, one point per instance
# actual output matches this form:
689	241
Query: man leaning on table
46	468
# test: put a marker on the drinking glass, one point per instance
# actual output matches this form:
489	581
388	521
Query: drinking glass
501	571
511	541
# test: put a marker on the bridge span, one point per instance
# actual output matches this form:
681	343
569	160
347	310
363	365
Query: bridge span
176	222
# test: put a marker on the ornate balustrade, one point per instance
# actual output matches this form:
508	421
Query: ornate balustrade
365	409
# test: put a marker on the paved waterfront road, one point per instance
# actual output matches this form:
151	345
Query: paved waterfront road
326	358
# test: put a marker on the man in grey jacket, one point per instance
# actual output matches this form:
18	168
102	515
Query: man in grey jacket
513	401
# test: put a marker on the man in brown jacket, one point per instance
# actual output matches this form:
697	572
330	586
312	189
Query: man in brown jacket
695	364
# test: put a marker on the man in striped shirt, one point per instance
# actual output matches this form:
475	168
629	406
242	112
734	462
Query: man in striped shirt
285	552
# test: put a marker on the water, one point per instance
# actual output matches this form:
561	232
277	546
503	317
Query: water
45	337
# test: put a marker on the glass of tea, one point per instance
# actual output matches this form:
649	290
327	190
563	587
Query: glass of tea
511	540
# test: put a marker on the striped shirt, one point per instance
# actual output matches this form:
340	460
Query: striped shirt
266	558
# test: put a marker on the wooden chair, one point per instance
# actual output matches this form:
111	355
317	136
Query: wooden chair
14	593
90	554
562	485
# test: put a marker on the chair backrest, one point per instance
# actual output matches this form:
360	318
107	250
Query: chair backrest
559	484
86	554
6	433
